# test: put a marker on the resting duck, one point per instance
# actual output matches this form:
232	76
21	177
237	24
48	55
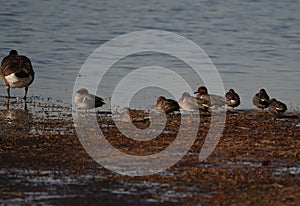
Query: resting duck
261	99
188	103
206	100
16	72
166	105
232	99
84	100
276	107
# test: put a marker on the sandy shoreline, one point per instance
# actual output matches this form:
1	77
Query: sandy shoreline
256	162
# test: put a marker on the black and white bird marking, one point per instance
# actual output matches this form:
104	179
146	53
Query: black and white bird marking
261	99
84	100
16	72
232	99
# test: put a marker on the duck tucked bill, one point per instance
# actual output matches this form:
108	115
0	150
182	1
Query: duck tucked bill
84	100
232	99
188	103
261	99
277	107
166	105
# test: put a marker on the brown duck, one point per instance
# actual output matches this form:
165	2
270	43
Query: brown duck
166	105
207	101
232	99
261	99
277	107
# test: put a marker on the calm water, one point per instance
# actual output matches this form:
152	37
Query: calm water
253	44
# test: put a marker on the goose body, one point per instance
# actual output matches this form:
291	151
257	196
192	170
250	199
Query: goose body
16	72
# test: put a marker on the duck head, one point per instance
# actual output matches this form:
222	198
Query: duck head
82	91
201	90
262	91
272	100
186	94
160	99
231	91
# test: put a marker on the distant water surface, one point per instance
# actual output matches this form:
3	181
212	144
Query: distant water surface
253	44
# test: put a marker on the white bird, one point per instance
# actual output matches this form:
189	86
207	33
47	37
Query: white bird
188	103
84	100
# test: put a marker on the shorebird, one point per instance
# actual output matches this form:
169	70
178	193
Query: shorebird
188	103
261	99
208	100
166	105
276	107
84	100
232	99
16	72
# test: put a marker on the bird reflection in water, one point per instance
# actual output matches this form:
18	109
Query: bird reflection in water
17	120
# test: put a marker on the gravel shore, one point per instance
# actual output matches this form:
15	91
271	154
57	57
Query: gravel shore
256	161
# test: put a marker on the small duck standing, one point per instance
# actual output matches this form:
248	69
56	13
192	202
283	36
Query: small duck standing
166	105
276	107
188	103
206	100
232	99
261	99
84	100
16	72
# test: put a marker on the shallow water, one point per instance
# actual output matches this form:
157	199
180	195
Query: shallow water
253	44
57	185
45	163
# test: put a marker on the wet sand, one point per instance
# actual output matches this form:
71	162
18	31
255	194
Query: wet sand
256	162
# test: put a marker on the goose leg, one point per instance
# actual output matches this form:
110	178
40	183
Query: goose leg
8	92
25	105
26	90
